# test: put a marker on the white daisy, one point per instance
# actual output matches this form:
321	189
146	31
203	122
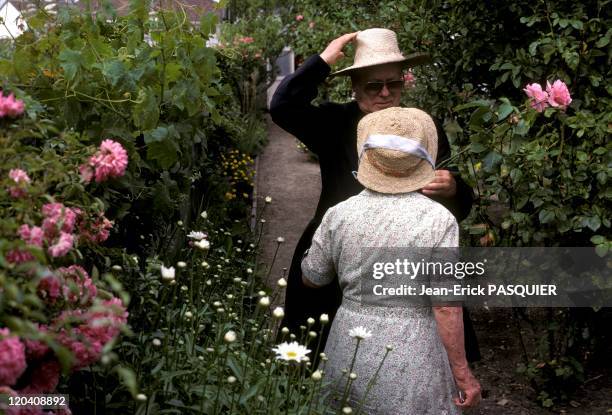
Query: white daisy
203	244
196	235
167	273
290	351
278	312
360	333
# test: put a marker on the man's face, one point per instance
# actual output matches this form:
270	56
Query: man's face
378	87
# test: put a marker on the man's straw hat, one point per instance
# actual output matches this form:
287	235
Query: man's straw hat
379	46
397	150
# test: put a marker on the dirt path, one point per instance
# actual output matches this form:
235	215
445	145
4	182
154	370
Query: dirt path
292	179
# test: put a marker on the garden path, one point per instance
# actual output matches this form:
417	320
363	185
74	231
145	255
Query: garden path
292	179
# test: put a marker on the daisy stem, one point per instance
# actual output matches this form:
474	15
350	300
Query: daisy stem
267	383
289	388
220	378
301	376
278	244
349	380
316	355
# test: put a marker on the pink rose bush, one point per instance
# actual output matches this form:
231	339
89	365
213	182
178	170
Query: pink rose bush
110	161
556	95
40	233
9	106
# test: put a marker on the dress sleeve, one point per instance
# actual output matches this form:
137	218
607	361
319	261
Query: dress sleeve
292	109
461	204
318	265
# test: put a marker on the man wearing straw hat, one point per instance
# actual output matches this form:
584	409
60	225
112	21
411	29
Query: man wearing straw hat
330	130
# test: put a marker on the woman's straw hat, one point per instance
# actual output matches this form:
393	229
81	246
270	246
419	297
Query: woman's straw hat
397	150
377	47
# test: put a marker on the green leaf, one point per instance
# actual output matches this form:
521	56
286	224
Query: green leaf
477	103
173	71
208	23
128	377
161	133
598	239
546	216
114	70
503	111
146	113
601	250
593	223
491	160
477	147
70	61
164	152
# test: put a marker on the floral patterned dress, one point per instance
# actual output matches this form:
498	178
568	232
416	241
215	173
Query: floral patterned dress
416	377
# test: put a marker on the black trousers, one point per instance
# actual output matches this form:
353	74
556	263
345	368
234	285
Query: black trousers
302	302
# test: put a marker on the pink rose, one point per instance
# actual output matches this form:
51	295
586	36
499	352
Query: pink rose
111	160
12	358
62	246
49	288
18	256
91	330
409	79
86	172
538	97
45	378
10	107
558	94
311	25
58	218
36	349
299	17
31	236
78	286
19	176
97	230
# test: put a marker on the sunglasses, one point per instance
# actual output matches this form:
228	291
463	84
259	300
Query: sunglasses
375	87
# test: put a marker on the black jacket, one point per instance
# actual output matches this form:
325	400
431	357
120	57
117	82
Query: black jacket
330	131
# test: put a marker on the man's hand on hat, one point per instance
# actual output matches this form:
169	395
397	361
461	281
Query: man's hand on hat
443	185
333	52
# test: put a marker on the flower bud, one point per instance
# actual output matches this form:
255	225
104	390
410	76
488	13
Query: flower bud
230	336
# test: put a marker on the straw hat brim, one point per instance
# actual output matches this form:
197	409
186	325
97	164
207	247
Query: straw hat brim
412	60
372	178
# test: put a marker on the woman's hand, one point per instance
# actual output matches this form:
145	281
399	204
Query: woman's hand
443	185
470	388
449	320
333	52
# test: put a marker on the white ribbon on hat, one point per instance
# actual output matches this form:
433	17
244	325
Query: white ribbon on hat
399	143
